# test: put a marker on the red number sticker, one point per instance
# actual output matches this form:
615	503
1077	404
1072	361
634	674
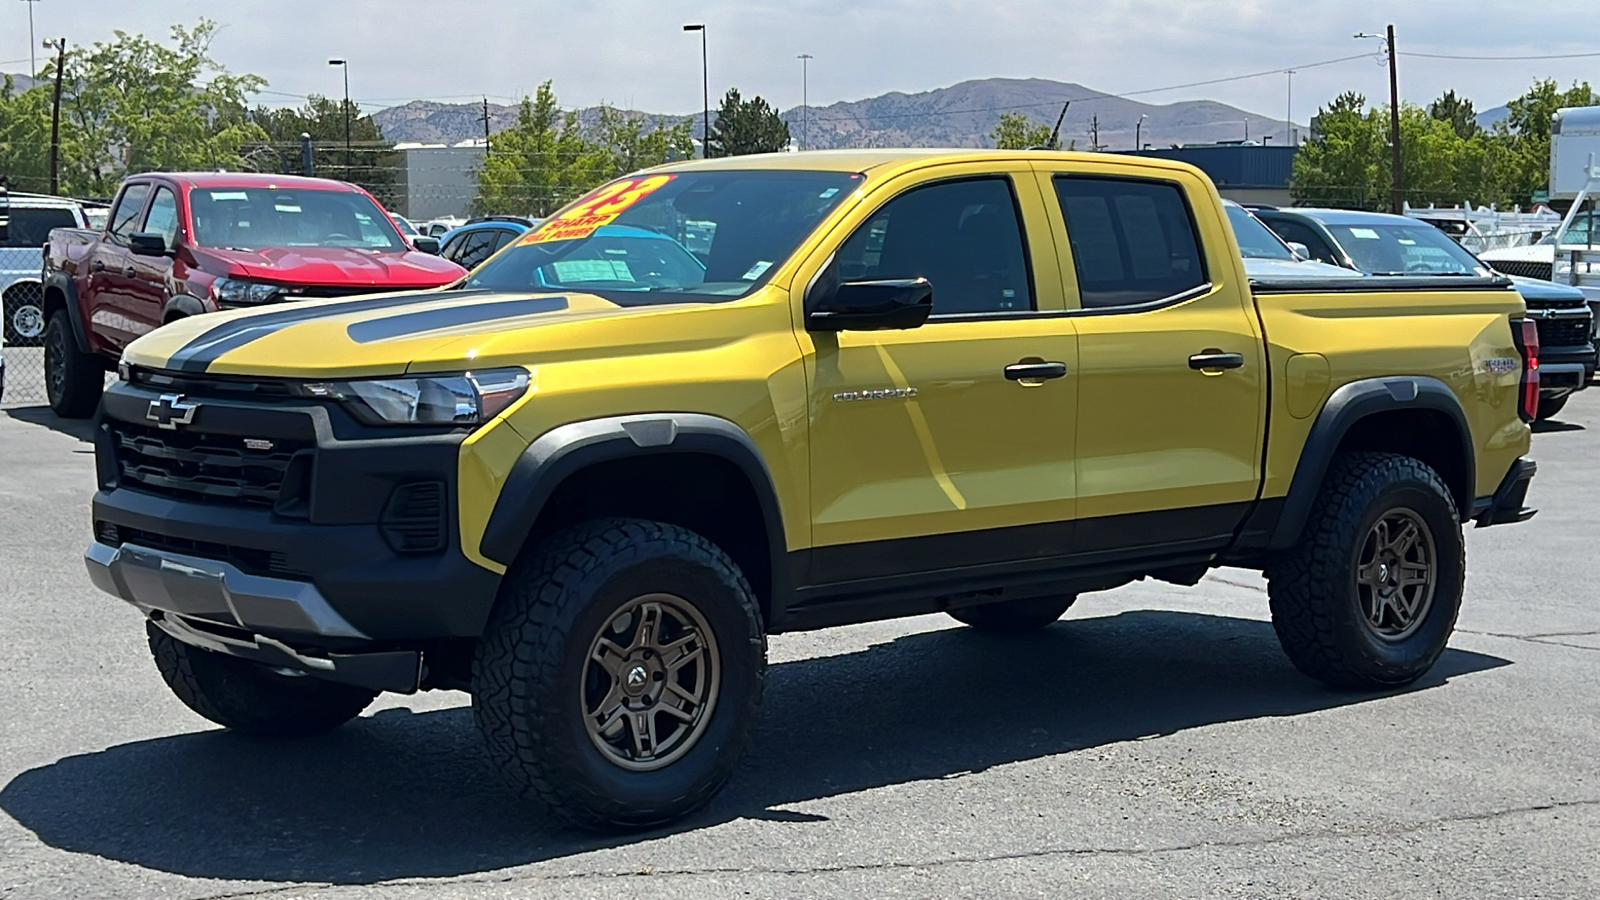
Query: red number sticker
598	208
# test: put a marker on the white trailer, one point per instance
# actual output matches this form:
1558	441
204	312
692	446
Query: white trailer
1574	138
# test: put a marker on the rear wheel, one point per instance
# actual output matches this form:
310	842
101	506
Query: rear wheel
1549	406
1015	616
24	316
1369	596
250	698
73	379
621	672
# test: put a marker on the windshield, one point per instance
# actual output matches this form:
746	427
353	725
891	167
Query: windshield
656	238
1405	250
1577	234
1256	241
254	218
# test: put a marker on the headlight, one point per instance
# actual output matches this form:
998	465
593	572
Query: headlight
235	292
460	398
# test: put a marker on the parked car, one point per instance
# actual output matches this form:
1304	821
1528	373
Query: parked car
1266	255
21	292
179	245
471	244
1546	261
587	493
1384	244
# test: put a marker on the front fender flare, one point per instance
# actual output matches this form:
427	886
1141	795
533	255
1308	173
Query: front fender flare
61	281
562	452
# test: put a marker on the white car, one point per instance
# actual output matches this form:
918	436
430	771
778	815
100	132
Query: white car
21	293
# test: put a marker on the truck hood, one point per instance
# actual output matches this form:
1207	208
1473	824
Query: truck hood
337	266
421	331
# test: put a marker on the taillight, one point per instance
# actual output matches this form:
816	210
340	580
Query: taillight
1526	336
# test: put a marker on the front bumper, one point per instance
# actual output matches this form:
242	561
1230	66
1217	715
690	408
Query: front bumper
320	565
1566	369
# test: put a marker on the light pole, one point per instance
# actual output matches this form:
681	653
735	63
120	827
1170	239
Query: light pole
1288	108
33	59
345	65
705	90
1138	132
1397	192
805	103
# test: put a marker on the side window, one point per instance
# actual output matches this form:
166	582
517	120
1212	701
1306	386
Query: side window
503	238
1298	233
1133	242
474	248
163	216
125	215
963	236
451	248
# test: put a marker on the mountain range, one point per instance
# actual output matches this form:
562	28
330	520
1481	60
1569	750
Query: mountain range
961	115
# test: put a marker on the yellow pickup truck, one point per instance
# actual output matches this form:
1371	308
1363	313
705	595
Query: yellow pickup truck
727	398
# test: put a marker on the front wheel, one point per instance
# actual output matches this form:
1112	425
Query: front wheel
1369	596
250	698
620	673
73	379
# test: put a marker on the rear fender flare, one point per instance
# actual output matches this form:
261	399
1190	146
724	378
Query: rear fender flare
1347	406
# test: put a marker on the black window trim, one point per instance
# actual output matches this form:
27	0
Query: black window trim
1204	287
1010	181
144	210
177	211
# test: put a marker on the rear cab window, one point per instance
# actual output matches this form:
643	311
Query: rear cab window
31	225
1134	241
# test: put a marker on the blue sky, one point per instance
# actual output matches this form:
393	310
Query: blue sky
633	53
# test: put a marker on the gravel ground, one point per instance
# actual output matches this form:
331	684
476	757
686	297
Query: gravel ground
1155	743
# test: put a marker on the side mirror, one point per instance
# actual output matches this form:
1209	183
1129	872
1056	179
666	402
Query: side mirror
147	243
1300	250
425	244
874	306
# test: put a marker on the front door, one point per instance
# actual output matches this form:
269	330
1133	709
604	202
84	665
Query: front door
1171	365
111	271
925	451
151	284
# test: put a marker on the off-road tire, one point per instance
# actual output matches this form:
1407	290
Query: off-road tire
1312	587
73	379
1549	406
532	659
250	698
1015	616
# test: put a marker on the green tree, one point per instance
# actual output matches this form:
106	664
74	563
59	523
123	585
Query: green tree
373	163
540	163
746	126
1457	111
630	142
1344	161
24	136
1016	131
134	105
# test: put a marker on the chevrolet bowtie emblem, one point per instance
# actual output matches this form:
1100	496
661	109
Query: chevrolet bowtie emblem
169	411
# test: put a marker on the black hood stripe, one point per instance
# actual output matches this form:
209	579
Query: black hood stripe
407	324
209	346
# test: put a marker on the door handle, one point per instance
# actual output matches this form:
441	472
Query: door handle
1216	359
1035	370
97	266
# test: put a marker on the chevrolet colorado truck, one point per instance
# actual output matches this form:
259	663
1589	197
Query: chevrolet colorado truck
181	244
586	482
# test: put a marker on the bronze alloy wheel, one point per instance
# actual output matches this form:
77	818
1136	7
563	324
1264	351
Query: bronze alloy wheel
1395	574
651	682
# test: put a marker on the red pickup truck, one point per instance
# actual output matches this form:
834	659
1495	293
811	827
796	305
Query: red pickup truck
181	244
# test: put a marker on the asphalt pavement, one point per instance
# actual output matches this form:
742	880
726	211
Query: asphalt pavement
1154	743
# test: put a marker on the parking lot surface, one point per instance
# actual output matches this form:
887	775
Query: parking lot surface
1153	743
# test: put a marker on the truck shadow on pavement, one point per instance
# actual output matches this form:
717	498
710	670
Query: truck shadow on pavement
401	794
82	429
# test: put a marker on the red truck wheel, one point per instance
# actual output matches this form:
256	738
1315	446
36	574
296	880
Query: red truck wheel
73	379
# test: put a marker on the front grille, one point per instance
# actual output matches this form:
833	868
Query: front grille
1562	332
413	519
196	466
197	385
1541	271
246	559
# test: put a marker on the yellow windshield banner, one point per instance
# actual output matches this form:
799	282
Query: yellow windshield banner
599	208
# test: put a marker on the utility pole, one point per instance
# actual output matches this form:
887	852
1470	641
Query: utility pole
1094	132
1138	132
805	102
485	120
1397	192
33	59
55	118
705	90
1288	108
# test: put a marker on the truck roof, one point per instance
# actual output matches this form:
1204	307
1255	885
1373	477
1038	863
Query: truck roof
866	160
1349	216
36	201
250	180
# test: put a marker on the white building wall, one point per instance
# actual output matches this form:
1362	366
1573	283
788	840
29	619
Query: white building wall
439	181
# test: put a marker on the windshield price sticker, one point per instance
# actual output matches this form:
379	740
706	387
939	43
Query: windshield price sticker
598	209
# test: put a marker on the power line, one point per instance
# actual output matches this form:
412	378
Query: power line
1492	58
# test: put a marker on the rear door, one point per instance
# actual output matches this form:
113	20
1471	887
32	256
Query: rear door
1171	363
112	290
